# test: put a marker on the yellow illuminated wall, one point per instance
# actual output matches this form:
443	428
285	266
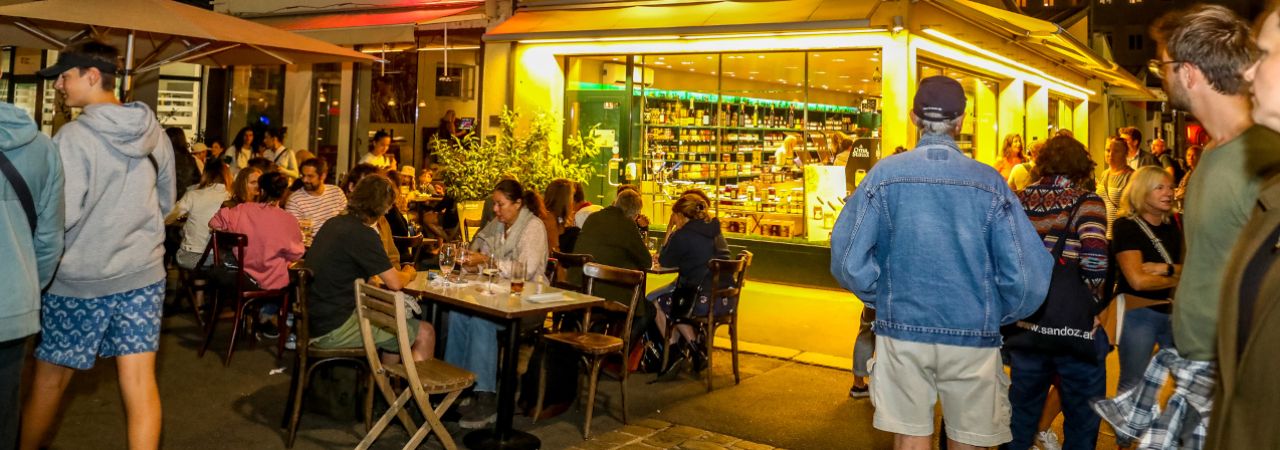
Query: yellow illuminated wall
985	127
1012	105
898	85
1037	113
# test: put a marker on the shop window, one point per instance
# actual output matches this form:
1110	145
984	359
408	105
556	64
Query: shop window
978	137
1061	115
1135	42
767	136
178	102
395	88
257	98
326	85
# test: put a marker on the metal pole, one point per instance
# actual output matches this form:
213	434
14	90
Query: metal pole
128	68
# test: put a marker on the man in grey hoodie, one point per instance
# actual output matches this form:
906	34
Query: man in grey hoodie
105	298
30	245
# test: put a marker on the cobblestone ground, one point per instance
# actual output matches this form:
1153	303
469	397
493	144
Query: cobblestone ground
650	434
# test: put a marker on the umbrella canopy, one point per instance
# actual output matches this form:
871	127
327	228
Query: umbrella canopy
157	32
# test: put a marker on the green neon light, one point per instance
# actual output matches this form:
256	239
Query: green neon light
714	98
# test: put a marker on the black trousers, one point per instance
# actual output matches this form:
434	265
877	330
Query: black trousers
12	354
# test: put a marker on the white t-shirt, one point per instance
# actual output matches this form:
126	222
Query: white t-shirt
285	161
381	162
199	205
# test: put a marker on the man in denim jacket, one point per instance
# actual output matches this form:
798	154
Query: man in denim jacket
940	247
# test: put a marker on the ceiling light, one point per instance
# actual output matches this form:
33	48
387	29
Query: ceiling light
874	59
844	77
792	68
686	62
815	55
713	72
760	56
617	59
866	80
897	24
820	72
710	57
753	72
838	60
691	70
860	91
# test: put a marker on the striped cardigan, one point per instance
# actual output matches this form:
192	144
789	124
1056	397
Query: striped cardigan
1048	202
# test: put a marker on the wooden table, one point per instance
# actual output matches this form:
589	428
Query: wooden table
509	309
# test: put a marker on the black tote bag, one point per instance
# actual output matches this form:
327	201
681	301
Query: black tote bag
1064	323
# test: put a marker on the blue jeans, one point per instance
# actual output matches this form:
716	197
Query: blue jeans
1144	328
1082	381
473	345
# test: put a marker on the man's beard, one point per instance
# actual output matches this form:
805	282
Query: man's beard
311	187
1178	98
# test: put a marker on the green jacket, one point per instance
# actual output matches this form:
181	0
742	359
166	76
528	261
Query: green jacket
611	239
29	260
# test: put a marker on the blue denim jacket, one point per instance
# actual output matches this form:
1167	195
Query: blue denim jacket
940	247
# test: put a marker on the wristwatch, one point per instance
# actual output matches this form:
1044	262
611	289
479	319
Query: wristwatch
1169	272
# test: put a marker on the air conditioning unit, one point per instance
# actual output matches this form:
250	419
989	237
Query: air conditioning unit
617	74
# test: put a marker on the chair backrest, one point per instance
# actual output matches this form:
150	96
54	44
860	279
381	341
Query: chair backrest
467	224
633	279
414	245
384	309
568	261
226	243
735	270
552	266
301	279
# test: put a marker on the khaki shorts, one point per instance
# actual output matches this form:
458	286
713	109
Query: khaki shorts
909	378
348	336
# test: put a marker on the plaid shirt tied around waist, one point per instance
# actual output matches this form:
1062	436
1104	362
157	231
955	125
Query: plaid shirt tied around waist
1184	422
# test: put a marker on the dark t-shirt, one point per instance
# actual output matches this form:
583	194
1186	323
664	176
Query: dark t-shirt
1126	236
344	251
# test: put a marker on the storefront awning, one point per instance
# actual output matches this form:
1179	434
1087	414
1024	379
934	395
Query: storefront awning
350	28
697	18
1053	42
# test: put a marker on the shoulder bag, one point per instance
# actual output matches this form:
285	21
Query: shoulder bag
1064	323
21	189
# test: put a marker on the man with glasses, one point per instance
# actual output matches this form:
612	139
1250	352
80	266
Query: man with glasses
1203	51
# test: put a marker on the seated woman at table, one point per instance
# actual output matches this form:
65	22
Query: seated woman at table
516	234
562	232
274	237
245	188
199	205
347	249
691	242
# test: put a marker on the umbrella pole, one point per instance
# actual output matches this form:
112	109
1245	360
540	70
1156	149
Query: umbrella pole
128	69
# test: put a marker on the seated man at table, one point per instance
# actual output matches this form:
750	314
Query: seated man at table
349	249
317	202
611	237
383	226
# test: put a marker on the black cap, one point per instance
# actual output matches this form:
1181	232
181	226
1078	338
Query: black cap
939	98
70	60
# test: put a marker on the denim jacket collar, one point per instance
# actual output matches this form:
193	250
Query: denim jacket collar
937	140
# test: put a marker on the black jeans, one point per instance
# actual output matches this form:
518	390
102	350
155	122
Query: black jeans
12	354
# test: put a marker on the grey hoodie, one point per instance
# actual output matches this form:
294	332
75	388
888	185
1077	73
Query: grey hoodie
116	200
28	260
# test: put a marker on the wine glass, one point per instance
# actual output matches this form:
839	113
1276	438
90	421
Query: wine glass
490	268
448	258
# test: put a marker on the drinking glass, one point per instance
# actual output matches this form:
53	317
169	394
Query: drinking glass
518	276
448	258
489	269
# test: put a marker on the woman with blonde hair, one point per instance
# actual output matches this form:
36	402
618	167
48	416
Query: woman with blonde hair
1115	178
1010	155
245	188
690	244
1147	248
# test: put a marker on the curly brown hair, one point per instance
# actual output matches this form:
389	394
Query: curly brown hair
372	197
1067	157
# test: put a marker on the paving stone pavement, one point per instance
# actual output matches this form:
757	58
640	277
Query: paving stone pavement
652	434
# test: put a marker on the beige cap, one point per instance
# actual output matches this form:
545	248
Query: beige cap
407	170
198	147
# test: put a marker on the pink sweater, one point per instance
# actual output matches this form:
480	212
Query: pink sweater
274	240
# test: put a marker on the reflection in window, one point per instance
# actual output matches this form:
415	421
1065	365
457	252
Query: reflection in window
395	88
257	98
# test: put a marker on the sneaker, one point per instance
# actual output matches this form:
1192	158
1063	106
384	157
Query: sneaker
860	391
292	343
1048	440
482	412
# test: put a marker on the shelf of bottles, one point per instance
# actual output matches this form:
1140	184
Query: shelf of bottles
728	146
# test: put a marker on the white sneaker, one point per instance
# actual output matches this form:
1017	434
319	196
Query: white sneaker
1048	440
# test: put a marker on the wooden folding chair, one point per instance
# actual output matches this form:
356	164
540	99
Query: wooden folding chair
385	309
596	346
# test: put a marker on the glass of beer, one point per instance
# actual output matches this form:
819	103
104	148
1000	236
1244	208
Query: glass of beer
518	274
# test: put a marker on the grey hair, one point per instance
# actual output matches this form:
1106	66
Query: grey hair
941	127
630	203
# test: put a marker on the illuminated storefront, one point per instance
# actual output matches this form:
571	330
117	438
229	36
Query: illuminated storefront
776	109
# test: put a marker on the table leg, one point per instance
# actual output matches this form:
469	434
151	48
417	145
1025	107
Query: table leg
502	436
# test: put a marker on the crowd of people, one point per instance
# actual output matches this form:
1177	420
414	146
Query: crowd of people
1048	258
1048	262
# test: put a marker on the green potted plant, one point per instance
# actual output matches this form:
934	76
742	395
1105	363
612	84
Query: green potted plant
472	166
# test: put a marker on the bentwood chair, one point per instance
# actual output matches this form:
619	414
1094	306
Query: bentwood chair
467	225
308	358
567	262
387	310
596	346
233	244
196	281
735	271
414	246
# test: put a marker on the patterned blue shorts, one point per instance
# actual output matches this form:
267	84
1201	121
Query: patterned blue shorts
76	330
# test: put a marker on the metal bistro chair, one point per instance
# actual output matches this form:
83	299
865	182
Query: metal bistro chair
309	358
387	310
596	346
225	243
720	268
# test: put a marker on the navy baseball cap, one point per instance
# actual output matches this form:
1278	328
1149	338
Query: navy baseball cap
70	60
939	98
